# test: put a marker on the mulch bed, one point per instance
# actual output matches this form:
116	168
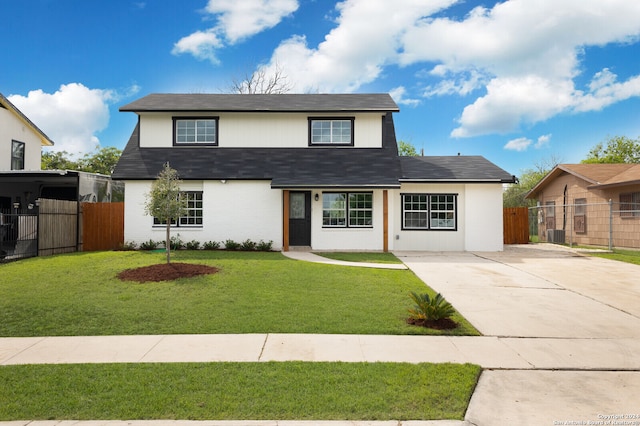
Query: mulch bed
441	324
165	272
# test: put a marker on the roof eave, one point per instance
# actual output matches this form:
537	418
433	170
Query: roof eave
44	139
496	180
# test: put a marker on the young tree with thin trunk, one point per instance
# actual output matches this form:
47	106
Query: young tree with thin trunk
165	201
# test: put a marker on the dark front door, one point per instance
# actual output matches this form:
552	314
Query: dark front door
300	218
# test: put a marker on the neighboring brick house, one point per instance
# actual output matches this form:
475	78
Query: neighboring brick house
589	203
314	170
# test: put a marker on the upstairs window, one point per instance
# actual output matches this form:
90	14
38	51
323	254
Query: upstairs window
331	131
17	155
195	131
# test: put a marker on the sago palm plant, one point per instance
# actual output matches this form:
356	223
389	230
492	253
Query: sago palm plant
430	308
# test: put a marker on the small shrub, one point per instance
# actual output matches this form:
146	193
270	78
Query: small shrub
211	245
127	246
231	245
430	308
193	245
265	245
149	245
176	242
248	245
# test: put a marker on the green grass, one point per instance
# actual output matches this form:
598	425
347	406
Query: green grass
367	257
79	294
629	256
238	391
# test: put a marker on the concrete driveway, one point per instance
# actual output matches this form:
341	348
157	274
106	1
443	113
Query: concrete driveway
536	291
563	310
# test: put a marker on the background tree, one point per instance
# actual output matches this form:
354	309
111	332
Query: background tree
261	81
101	161
407	149
60	160
165	201
514	194
618	149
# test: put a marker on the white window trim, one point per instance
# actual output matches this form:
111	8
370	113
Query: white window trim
177	120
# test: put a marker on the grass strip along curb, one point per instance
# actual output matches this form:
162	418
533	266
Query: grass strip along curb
238	391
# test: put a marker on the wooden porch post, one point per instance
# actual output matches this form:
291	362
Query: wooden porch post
385	220
285	220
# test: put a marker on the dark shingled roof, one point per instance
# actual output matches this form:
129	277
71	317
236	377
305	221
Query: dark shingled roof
285	167
319	167
264	103
459	168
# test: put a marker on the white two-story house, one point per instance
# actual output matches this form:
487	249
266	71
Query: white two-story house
313	170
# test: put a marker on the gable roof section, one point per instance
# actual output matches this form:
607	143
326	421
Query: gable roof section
327	167
599	176
171	102
448	169
44	139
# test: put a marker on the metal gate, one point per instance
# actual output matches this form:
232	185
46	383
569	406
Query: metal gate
18	235
50	227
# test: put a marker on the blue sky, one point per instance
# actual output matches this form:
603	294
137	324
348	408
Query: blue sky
519	82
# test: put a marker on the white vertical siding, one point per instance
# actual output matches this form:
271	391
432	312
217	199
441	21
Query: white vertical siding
264	130
156	131
364	239
479	220
237	210
483	223
427	240
11	128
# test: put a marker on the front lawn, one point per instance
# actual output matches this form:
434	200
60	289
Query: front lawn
254	292
237	391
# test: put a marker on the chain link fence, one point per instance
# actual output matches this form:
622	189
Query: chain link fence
610	224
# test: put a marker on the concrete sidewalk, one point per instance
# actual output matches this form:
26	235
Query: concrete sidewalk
496	353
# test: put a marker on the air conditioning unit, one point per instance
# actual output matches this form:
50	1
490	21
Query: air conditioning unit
555	236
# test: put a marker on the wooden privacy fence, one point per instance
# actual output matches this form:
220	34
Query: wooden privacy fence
515	222
57	227
102	226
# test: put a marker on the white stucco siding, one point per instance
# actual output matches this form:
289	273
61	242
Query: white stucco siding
236	210
483	223
11	128
479	220
265	130
364	239
427	240
156	130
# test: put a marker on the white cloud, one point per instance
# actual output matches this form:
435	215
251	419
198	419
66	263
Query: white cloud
520	144
543	141
462	86
512	101
526	46
366	39
71	116
398	95
201	44
236	21
516	61
240	19
605	90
